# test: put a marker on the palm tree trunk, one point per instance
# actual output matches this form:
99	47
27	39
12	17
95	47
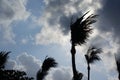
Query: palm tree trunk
119	76
73	51
88	71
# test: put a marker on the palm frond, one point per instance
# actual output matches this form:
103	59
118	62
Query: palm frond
96	51
81	29
3	58
47	64
94	58
92	54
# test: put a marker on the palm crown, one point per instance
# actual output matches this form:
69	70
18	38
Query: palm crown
92	54
47	64
81	29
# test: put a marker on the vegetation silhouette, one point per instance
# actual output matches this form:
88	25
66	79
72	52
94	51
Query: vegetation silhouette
92	56
3	58
47	64
80	31
10	74
118	66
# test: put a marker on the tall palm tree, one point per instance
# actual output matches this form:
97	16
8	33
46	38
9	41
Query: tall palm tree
3	58
92	56
118	66
48	63
80	31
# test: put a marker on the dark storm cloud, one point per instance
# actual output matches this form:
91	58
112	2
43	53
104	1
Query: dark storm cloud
110	18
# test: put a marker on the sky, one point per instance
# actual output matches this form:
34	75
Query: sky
34	29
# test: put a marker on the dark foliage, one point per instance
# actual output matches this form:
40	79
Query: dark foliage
92	54
81	29
48	63
3	58
13	75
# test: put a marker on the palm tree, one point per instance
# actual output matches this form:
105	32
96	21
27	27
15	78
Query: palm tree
80	31
92	56
48	63
3	58
118	66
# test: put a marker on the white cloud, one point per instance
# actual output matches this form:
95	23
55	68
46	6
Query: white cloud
6	34
10	64
49	36
29	63
61	73
11	11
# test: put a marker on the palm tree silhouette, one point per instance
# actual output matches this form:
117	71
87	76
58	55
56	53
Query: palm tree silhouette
80	31
48	63
3	58
92	56
118	66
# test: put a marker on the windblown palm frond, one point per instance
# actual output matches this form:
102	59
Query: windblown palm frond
81	29
3	58
47	64
92	54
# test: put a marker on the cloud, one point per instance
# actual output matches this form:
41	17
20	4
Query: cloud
108	37
56	17
11	11
30	64
10	64
6	34
61	73
109	20
24	41
61	11
50	36
25	62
